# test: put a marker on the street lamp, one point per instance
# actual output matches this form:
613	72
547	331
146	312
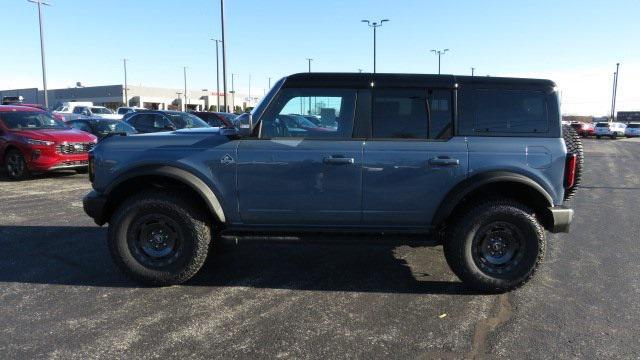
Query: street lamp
224	55
217	75
439	52
233	93
44	68
375	26
309	60
126	86
473	71
184	69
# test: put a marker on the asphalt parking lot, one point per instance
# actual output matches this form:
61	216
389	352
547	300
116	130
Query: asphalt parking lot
61	297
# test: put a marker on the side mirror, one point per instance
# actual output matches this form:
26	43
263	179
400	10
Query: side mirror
245	124
230	131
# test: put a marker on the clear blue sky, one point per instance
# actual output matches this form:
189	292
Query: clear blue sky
576	43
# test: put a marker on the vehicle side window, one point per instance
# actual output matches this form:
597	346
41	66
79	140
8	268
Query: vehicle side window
510	111
334	109
78	109
159	122
406	114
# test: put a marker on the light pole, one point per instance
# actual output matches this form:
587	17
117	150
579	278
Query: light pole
249	87
217	75
233	93
269	83
126	86
184	107
44	67
375	26
309	60
615	92
473	71
224	55
439	52
360	70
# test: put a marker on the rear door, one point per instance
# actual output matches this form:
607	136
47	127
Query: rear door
303	177
412	159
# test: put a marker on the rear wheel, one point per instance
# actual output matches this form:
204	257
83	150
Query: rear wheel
16	166
496	246
159	239
614	136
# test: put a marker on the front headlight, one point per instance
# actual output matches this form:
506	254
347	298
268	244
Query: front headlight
39	142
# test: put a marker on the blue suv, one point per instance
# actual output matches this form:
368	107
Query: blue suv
482	164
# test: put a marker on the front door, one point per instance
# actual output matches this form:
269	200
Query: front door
412	159
304	168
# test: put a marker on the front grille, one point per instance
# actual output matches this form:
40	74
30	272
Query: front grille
75	148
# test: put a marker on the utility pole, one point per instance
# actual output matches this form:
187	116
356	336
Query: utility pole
217	75
615	92
472	71
269	83
44	67
224	55
126	85
186	99
375	26
439	53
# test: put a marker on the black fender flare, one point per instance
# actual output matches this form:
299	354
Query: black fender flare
467	186
184	176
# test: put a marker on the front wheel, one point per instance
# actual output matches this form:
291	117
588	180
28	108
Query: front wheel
496	246
16	166
158	238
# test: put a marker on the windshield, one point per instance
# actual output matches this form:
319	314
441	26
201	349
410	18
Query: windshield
30	120
186	121
602	125
115	126
100	110
633	126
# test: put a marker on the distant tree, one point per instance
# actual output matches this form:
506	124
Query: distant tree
248	109
213	108
237	109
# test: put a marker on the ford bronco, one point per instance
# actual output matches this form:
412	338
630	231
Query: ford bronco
482	164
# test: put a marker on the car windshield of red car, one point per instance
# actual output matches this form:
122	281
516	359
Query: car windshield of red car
20	120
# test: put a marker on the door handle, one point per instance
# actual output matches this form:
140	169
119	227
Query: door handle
444	161
338	160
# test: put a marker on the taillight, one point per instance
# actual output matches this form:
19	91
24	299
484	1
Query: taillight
570	171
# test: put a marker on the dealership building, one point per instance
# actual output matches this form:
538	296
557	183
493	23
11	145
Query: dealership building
113	96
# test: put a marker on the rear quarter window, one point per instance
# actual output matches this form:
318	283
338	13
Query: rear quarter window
504	111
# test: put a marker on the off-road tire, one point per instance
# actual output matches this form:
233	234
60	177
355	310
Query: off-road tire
460	249
11	157
190	222
574	146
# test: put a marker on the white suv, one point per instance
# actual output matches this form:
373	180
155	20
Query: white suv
632	130
610	129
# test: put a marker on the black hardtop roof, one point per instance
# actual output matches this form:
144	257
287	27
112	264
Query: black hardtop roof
388	79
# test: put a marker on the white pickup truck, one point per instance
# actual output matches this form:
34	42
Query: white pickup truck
84	110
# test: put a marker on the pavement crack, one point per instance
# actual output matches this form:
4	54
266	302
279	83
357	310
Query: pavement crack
489	325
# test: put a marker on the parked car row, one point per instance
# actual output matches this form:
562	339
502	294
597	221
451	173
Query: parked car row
611	130
33	140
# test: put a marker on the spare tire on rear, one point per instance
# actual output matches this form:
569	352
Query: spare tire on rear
574	146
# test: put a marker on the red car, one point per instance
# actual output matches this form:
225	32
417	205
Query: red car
31	140
584	129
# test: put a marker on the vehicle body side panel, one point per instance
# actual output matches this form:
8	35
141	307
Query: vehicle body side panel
540	159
